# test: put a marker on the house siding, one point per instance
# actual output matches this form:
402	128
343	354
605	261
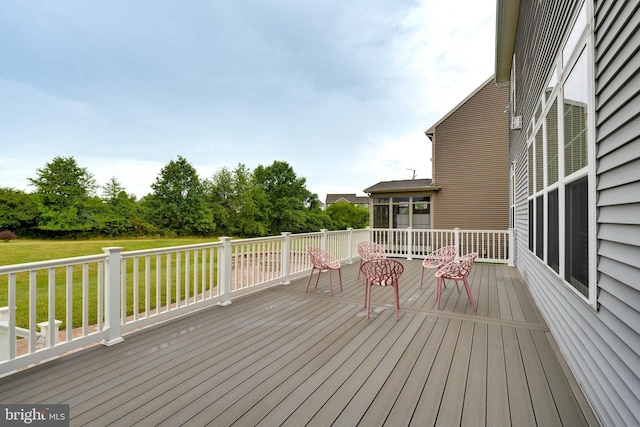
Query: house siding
601	346
617	66
471	163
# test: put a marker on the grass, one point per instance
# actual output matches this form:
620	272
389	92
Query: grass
21	251
24	251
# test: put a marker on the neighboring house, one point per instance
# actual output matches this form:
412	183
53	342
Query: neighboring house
573	72
401	204
470	162
362	201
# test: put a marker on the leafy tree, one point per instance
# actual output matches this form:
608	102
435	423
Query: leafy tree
18	211
317	219
62	180
121	215
64	190
112	190
289	204
220	194
344	215
236	202
177	203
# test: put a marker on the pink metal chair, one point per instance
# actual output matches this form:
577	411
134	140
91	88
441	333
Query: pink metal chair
369	251
438	258
382	272
457	271
323	261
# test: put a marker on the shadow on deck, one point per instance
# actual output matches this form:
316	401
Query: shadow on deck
283	357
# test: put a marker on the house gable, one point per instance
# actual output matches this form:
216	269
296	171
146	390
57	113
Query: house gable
470	162
347	198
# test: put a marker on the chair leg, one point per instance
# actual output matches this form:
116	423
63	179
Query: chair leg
309	281
318	278
340	277
397	298
422	278
330	287
466	286
359	267
366	283
438	290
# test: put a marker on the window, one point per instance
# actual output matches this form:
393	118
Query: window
577	236
531	227
552	143
531	169
575	118
381	212
421	215
558	170
577	33
539	227
402	212
539	161
553	243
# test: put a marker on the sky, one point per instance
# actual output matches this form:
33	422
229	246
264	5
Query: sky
342	91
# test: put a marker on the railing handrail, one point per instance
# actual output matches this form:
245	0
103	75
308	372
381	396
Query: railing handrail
160	251
39	265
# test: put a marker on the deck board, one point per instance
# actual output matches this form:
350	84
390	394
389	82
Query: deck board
497	413
475	394
521	407
285	357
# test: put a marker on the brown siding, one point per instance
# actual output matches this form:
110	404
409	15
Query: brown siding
471	163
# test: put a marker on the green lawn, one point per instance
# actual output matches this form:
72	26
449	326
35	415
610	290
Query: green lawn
21	251
24	251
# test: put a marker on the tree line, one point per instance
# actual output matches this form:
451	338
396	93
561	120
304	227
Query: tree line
68	203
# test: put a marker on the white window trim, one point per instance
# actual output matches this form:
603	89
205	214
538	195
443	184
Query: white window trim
591	156
585	43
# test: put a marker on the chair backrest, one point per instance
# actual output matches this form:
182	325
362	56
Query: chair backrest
382	272
371	250
321	258
446	253
458	269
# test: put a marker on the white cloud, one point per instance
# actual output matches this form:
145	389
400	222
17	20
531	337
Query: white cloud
342	91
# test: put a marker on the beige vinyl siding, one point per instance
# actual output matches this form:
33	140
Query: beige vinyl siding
471	163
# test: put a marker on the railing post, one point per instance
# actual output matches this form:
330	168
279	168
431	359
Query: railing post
512	249
350	245
409	243
112	300
4	333
285	263
224	278
324	239
456	239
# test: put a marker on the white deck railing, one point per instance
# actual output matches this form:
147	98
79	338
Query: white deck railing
80	301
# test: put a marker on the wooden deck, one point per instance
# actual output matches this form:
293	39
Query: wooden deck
283	357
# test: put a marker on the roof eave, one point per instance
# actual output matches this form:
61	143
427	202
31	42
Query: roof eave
403	190
506	26
432	130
